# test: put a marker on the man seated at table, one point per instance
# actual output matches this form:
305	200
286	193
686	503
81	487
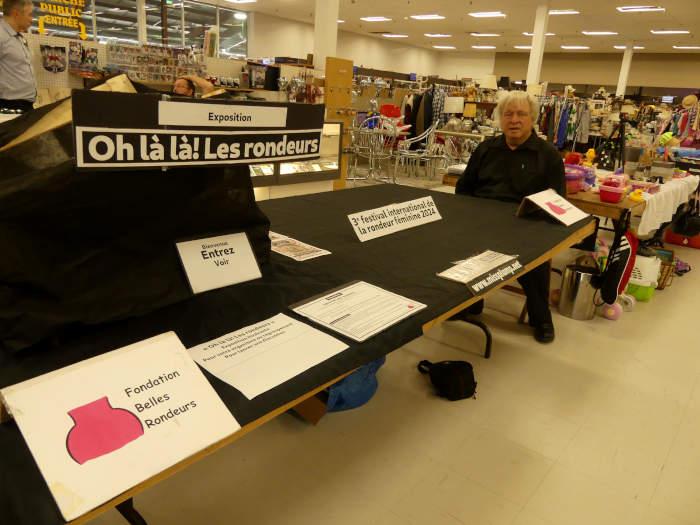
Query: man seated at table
509	167
186	86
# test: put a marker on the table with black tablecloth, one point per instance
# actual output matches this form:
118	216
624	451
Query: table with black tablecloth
405	263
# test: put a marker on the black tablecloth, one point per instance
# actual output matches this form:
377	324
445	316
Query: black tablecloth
405	263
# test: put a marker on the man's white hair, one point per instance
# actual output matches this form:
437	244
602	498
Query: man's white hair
510	97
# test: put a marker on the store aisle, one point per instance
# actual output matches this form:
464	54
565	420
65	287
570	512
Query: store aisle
599	427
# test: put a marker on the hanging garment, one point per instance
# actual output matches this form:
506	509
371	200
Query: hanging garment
438	104
561	132
420	117
585	125
428	109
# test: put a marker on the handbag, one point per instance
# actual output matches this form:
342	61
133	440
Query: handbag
452	379
687	222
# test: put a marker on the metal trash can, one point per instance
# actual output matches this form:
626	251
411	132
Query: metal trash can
577	293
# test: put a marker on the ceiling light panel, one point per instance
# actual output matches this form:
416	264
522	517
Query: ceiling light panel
640	8
392	35
669	32
376	19
575	47
564	12
686	47
427	17
533	34
488	14
484	34
522	47
599	33
483	47
444	47
437	35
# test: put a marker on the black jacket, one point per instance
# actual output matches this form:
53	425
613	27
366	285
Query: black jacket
497	172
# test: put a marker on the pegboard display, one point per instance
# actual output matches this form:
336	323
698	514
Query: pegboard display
58	79
151	63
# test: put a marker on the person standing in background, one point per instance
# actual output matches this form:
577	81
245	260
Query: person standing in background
17	84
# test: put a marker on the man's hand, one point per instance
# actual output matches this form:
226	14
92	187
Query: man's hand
204	85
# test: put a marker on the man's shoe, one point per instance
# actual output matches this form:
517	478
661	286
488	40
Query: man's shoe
544	333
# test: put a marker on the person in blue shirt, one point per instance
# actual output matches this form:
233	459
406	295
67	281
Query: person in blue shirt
17	84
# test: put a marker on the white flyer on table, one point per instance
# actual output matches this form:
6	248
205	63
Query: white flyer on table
471	268
554	204
359	310
101	426
297	250
259	357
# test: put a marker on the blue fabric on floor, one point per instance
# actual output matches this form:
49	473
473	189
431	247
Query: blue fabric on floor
356	389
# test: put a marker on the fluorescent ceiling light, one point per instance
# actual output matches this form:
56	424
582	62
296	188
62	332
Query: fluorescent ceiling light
444	47
484	34
240	16
376	19
686	47
483	47
522	47
392	35
639	8
564	12
427	17
437	35
533	34
625	47
638	47
341	21
488	14
575	47
669	32
599	33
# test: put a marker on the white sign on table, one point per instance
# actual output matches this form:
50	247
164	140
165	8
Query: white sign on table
101	426
220	261
378	222
358	310
259	357
554	204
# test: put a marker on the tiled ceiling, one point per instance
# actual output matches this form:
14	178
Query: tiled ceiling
595	15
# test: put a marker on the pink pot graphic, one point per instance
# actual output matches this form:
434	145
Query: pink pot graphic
556	209
100	429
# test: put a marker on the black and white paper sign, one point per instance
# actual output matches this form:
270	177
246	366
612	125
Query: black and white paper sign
119	130
220	261
378	222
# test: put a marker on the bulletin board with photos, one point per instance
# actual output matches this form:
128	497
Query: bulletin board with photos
327	167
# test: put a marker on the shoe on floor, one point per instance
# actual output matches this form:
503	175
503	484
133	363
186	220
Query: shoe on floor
544	333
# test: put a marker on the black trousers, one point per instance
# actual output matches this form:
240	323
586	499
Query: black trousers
535	283
24	105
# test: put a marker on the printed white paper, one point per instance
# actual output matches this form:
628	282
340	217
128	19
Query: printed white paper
101	426
259	357
297	250
220	261
471	268
555	205
359	310
378	222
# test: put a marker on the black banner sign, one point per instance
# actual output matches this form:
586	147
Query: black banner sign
488	280
117	130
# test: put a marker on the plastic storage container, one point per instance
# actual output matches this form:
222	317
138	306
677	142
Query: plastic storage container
648	187
611	193
641	293
573	183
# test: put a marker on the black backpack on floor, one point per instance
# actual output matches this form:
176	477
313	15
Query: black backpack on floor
452	379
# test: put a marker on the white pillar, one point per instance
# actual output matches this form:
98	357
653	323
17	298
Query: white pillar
252	44
325	31
534	66
625	71
140	20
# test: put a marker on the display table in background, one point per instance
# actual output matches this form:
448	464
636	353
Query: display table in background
405	263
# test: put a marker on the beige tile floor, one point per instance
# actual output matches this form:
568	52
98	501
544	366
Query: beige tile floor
600	427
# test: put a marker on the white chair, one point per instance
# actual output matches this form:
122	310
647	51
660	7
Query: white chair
411	158
374	140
